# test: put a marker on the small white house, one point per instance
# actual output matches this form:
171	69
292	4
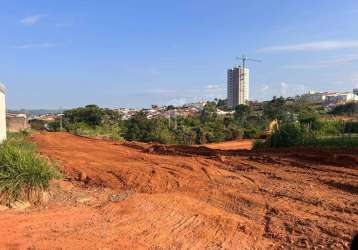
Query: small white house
2	113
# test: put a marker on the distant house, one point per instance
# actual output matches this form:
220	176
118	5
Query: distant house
222	112
341	98
16	122
41	122
315	97
327	98
37	124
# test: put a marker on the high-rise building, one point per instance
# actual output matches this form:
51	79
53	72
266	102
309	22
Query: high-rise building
237	86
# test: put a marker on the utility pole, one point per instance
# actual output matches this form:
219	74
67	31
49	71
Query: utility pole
61	122
175	117
61	119
169	118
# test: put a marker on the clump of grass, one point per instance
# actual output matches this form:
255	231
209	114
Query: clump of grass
23	172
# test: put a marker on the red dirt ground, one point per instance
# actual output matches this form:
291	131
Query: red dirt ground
232	145
142	196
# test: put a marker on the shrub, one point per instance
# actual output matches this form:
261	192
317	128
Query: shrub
79	128
286	135
346	109
331	128
294	134
351	127
54	125
259	144
22	171
184	135
252	133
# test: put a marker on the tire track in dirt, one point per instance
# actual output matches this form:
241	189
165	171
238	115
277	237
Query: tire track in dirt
193	197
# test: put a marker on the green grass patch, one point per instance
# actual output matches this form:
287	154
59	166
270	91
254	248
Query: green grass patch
341	141
334	141
23	172
111	132
295	134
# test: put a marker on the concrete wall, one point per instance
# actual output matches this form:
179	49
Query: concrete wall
16	122
2	114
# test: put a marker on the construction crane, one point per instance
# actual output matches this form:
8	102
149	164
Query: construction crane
244	59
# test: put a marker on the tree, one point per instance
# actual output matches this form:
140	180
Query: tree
275	109
185	135
136	127
242	112
221	104
140	128
209	113
91	115
310	120
110	117
170	107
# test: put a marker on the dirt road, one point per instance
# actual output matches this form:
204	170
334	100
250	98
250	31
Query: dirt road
139	196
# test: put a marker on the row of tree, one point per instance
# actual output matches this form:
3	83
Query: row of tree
205	127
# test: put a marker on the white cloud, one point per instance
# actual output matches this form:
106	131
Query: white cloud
283	89
287	90
31	20
182	96
346	59
178	101
35	46
264	88
267	91
354	80
312	46
212	86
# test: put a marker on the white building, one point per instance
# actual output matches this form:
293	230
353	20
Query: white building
2	113
330	98
197	105
341	98
314	97
237	86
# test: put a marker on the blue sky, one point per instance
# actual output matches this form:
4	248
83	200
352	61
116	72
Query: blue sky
133	53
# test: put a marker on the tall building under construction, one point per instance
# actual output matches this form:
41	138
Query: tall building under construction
237	86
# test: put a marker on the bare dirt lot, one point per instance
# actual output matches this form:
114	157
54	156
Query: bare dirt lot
143	196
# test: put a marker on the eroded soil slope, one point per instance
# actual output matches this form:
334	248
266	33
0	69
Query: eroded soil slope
142	196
